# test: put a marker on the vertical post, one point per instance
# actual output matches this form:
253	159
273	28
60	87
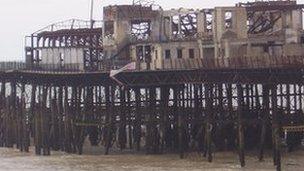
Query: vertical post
181	124
276	128
130	125
288	98
60	113
148	120
18	123
80	130
73	116
55	120
229	98
122	138
67	121
138	119
25	124
197	114
3	108
38	123
164	119
300	97
209	118
108	119
93	132
45	121
13	114
295	97
257	96
240	101
174	137
247	89
265	113
153	114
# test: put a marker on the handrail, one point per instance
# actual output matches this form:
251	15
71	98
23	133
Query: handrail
246	62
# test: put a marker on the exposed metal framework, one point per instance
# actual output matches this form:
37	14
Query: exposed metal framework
260	22
140	29
263	15
67	34
184	105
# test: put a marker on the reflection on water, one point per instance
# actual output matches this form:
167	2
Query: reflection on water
12	159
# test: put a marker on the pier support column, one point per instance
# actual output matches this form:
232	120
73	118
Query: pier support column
60	106
130	120
164	118
181	121
122	137
45	122
55	121
67	122
276	128
265	115
79	133
240	101
209	120
109	96
11	117
3	109
152	139
138	119
25	124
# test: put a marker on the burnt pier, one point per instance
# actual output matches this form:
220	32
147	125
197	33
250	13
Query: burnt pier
199	110
161	81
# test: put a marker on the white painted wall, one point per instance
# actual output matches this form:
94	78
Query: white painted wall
72	56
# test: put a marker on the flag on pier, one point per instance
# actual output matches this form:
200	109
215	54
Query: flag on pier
129	67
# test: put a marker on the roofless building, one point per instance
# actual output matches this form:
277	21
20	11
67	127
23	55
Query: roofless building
172	39
182	80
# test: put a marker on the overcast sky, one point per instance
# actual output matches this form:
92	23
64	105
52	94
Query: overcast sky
19	18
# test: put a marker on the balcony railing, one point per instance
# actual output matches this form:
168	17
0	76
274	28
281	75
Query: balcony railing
252	62
257	62
6	66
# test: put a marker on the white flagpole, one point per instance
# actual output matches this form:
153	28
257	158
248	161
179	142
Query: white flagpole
92	12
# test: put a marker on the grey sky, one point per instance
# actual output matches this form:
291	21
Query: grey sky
23	17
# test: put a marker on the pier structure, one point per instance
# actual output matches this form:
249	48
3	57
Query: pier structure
209	80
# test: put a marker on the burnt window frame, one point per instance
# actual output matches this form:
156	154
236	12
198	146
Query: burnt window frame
209	19
135	25
109	28
144	53
228	21
191	52
179	52
167	54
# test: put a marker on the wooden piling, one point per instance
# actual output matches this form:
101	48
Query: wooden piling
264	116
240	101
138	118
67	122
122	137
209	120
276	128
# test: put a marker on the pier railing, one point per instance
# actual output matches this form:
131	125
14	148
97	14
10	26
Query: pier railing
253	62
6	66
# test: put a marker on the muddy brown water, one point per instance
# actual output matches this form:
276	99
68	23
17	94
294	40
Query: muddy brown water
94	160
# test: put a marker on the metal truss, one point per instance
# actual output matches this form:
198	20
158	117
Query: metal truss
67	34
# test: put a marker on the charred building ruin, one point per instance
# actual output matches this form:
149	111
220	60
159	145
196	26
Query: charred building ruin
174	39
205	80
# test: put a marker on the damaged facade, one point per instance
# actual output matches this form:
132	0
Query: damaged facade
162	39
174	39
